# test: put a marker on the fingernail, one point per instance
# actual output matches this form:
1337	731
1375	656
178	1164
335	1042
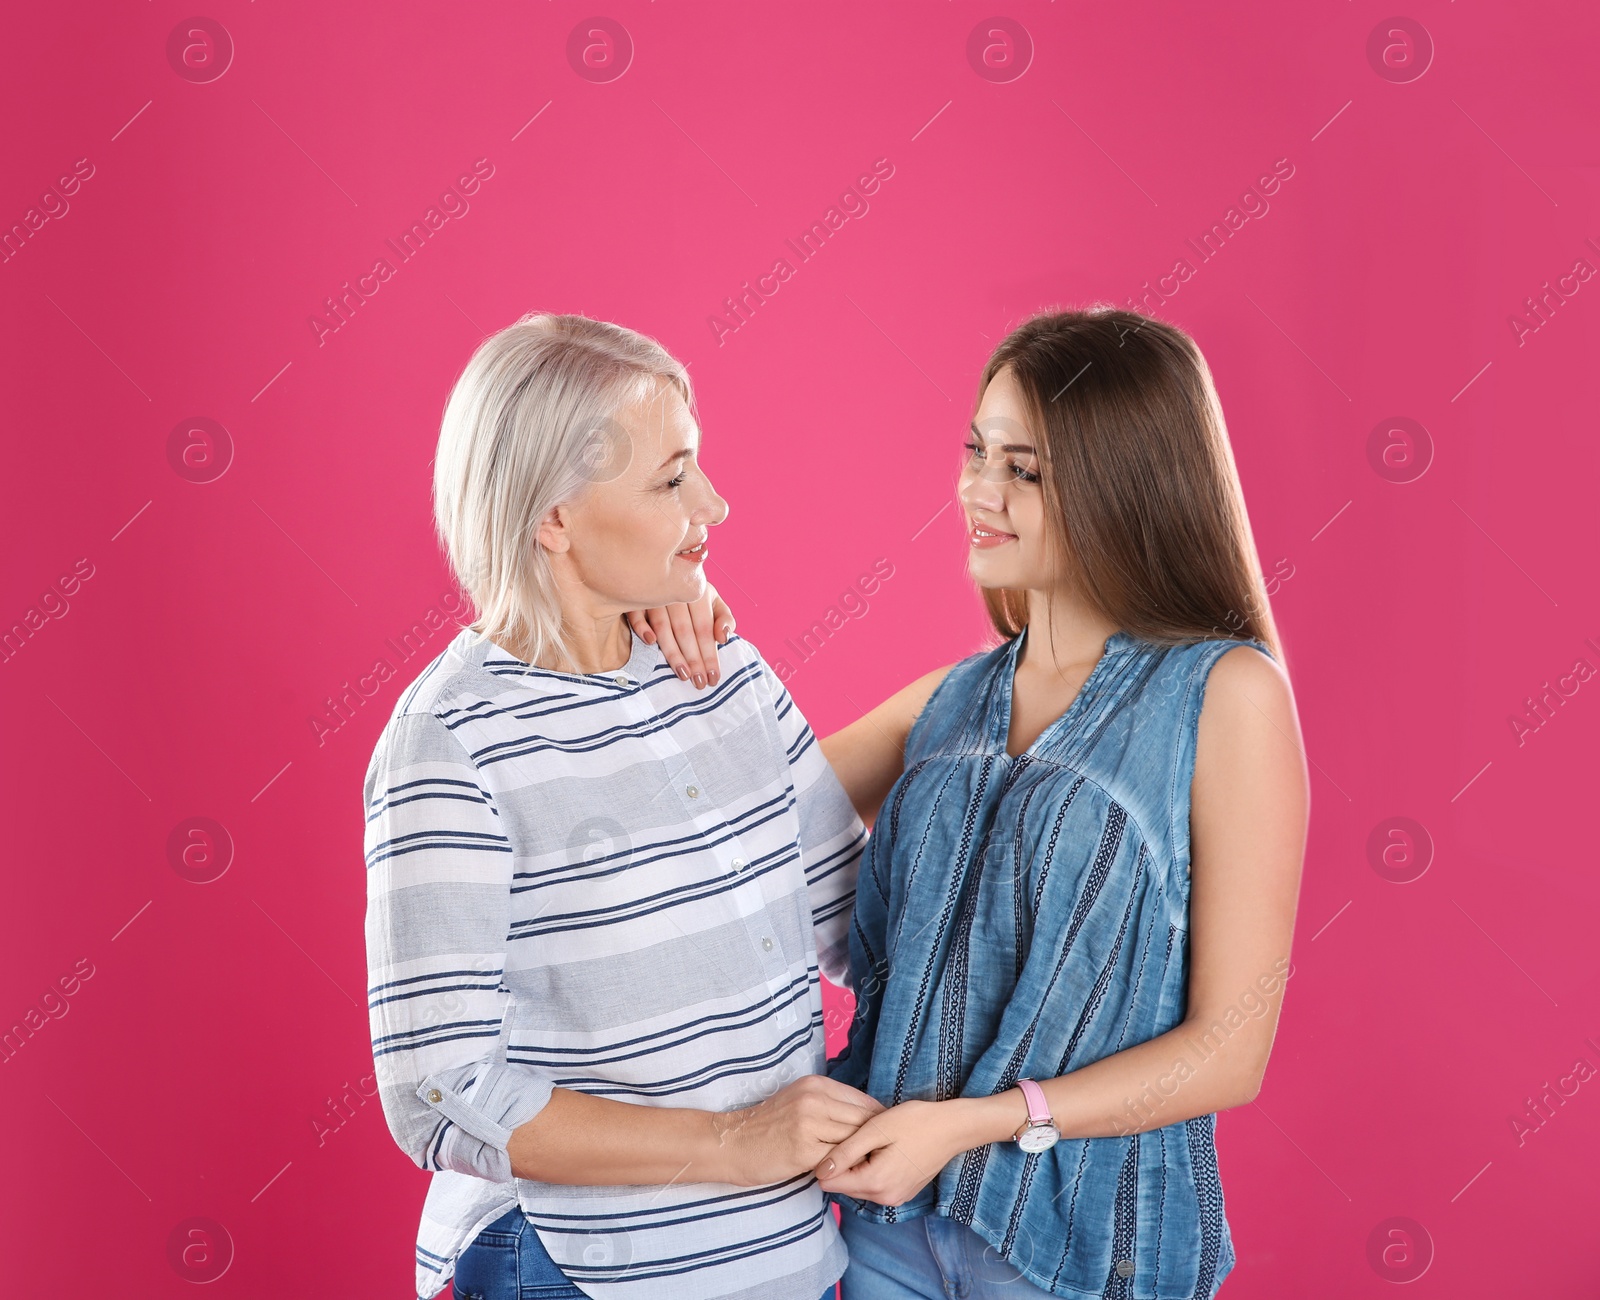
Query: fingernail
827	1168
714	678
699	681
683	673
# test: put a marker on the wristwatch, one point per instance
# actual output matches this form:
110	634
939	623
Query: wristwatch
1039	1132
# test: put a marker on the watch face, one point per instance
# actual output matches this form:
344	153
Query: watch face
1038	1137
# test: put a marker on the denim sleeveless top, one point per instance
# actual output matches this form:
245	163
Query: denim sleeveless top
1023	917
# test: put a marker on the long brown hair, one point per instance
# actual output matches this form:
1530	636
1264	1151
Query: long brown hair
1139	481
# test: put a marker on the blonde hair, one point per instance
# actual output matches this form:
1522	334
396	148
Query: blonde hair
529	425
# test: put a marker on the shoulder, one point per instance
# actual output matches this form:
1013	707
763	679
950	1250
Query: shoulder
737	652
743	665
898	714
955	681
750	682
1248	720
957	677
1243	680
936	706
453	682
909	701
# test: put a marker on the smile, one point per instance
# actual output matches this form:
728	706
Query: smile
987	538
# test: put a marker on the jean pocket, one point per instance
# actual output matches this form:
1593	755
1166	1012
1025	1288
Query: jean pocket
540	1277
487	1269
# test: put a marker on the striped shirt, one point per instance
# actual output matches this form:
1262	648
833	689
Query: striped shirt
618	884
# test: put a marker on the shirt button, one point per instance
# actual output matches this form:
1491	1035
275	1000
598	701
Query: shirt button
693	791
435	1096
621	679
767	944
738	864
1124	1268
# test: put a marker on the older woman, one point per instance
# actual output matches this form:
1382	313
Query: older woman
599	896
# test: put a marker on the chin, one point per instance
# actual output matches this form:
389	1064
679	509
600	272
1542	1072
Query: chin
987	575
690	589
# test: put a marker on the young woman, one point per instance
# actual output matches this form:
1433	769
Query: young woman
599	897
1073	920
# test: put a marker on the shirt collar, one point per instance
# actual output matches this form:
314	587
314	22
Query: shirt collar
643	660
1115	643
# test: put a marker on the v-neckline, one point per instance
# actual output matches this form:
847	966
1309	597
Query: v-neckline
1116	641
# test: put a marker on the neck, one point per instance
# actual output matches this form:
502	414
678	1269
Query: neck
594	644
596	635
1064	631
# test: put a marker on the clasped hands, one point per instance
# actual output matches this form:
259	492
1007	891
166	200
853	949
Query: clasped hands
853	1143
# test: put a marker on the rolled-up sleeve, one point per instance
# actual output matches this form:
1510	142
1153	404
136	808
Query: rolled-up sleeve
439	870
832	835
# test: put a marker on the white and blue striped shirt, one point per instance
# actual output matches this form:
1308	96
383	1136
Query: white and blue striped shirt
618	884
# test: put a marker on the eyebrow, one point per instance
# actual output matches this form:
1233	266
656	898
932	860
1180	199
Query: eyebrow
1010	446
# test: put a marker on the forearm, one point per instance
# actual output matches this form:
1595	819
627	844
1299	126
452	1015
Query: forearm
585	1141
1173	1077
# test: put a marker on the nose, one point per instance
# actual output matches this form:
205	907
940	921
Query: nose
713	509
977	491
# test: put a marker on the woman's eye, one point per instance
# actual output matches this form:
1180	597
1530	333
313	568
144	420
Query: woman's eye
676	482
1022	475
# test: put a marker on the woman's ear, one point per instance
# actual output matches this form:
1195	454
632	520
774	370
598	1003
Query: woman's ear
553	532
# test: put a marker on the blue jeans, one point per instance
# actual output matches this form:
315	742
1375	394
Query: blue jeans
928	1258
507	1261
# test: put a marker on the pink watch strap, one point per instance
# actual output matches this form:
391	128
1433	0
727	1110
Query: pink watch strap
1038	1107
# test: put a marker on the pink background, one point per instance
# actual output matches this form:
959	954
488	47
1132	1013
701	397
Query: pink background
198	1071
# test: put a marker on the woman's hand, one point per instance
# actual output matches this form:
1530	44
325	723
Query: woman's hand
789	1132
688	635
899	1151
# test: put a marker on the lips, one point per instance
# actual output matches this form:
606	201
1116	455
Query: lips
694	554
983	538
